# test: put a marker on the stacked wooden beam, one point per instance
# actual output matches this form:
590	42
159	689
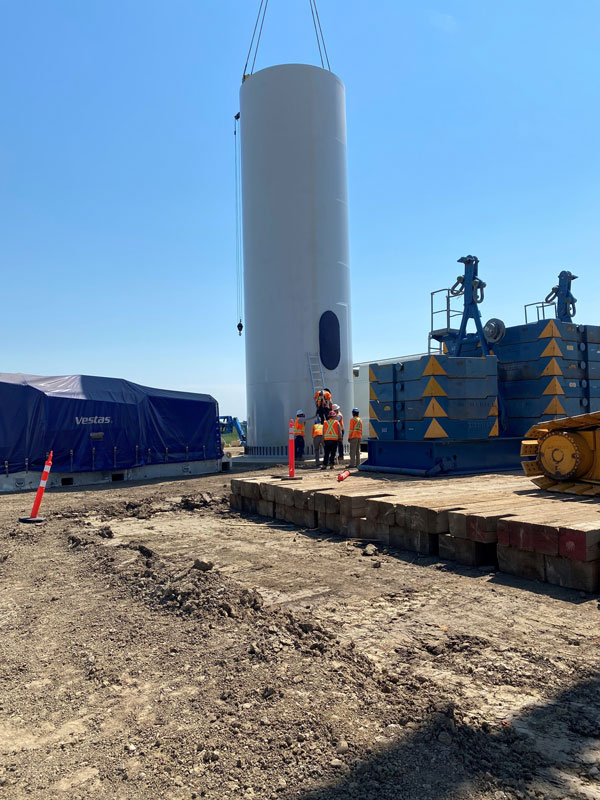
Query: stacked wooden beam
557	548
475	521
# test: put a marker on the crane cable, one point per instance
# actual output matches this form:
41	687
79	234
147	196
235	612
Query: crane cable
252	53
319	33
258	28
262	10
238	226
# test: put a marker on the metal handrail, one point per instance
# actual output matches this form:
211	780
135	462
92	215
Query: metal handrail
540	307
449	312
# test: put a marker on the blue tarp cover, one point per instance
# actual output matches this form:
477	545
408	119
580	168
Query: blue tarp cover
97	423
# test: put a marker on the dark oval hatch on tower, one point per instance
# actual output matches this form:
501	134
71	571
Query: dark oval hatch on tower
329	340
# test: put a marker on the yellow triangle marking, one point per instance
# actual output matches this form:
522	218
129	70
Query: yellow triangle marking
550	330
554	387
494	431
433	389
372	375
554	407
372	433
444	347
434	367
435	431
372	395
434	409
494	408
552	368
552	349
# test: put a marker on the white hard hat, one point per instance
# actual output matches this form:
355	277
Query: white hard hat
299	413
336	407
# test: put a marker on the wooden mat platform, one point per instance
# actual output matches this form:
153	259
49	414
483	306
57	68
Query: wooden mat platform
476	520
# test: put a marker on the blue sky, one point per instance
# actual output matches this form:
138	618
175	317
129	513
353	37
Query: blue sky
473	127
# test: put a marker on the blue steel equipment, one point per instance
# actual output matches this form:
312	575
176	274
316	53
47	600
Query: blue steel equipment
231	424
454	411
472	289
561	295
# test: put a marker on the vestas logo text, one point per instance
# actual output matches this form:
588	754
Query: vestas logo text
93	420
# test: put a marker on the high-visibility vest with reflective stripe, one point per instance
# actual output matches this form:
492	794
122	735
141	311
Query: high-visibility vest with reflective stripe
327	396
332	429
317	430
299	426
319	398
355	428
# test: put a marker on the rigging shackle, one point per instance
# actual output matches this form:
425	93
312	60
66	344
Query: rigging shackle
478	290
551	297
456	292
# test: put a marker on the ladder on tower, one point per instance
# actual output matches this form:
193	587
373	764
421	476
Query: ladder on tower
316	372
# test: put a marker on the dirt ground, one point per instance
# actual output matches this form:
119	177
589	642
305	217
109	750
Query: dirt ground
296	666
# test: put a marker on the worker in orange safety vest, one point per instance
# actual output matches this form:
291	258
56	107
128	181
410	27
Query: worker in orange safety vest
340	418
317	437
299	435
332	433
354	437
321	406
323	403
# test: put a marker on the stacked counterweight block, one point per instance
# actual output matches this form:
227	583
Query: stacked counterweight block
546	370
434	397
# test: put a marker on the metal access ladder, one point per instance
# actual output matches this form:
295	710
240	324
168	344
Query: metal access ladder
316	372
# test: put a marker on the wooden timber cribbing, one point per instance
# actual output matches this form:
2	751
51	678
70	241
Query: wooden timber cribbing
475	520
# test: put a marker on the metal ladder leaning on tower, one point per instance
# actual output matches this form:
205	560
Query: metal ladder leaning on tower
316	372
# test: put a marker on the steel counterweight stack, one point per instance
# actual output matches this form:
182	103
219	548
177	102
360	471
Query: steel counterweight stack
436	412
546	370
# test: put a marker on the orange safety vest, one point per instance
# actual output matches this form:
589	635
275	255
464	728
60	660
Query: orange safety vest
327	396
332	429
355	428
299	427
319	399
317	430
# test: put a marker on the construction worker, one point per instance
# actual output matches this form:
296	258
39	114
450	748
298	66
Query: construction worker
354	438
340	418
299	435
317	437
331	436
327	398
322	408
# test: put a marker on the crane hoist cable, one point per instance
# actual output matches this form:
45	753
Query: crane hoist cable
252	53
239	277
257	34
312	11
319	33
260	30
258	26
252	40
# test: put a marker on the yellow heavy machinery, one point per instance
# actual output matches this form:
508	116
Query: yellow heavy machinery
564	455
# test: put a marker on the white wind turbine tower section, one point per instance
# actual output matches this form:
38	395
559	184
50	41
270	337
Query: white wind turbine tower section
295	246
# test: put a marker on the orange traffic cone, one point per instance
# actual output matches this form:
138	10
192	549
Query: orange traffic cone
39	494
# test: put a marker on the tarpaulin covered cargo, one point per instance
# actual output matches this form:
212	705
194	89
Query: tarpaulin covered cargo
94	423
